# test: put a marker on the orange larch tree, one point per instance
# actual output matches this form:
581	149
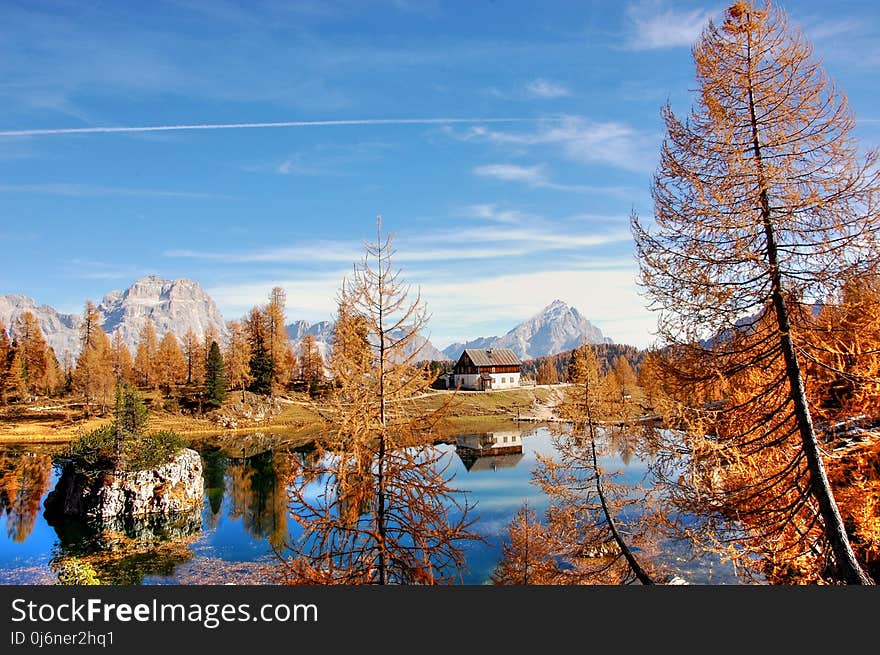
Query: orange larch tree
762	208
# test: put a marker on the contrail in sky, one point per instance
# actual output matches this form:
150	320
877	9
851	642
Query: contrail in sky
240	126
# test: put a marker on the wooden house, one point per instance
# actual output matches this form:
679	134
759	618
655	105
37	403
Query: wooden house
480	369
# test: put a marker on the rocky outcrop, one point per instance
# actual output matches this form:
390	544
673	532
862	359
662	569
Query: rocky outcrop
171	488
247	409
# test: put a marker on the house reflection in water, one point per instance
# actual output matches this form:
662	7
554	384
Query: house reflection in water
489	451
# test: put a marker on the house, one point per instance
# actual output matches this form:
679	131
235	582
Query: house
481	369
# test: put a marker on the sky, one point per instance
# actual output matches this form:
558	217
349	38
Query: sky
503	143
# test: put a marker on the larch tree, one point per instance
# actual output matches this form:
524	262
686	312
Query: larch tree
624	375
6	368
17	388
145	357
384	512
311	364
170	367
276	335
547	374
762	208
237	358
123	365
291	365
32	353
196	359
846	372
527	555
93	376
586	517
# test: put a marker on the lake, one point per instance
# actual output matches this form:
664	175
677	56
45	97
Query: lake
245	513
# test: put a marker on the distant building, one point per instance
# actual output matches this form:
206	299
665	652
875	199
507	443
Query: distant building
481	369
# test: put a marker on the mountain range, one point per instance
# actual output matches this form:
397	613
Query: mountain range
174	306
180	305
556	328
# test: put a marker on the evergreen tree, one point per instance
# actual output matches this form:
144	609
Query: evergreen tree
261	371
215	380
131	414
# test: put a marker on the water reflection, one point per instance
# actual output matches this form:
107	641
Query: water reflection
489	451
246	512
25	477
257	493
124	551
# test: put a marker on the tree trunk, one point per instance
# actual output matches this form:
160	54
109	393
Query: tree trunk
631	560
380	515
835	531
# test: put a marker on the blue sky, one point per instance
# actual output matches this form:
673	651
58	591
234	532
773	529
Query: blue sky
493	220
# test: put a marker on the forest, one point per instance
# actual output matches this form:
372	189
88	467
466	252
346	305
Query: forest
759	413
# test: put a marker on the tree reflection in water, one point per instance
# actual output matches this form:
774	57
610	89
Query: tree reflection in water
25	476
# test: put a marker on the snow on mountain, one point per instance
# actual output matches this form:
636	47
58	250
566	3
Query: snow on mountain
61	330
556	328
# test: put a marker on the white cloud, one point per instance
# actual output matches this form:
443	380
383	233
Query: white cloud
467	301
533	175
311	296
580	140
522	234
656	27
75	190
542	88
607	297
317	251
491	212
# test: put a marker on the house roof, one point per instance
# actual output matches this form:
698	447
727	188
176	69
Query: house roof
492	357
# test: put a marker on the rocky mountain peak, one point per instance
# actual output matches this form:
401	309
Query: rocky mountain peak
556	328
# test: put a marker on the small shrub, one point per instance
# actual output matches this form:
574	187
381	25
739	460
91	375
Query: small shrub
94	450
151	450
74	571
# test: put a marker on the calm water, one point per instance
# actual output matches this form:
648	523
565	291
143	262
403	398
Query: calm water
245	513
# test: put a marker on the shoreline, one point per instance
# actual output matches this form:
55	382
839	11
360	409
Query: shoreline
468	411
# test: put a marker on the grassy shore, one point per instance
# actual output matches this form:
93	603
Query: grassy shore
51	421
